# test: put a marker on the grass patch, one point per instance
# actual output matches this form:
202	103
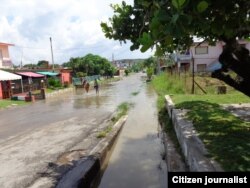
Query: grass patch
225	136
233	98
135	93
121	110
165	83
104	133
8	103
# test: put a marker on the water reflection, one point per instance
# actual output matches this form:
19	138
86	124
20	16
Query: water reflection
136	160
91	102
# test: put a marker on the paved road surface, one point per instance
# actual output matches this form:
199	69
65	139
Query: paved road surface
34	136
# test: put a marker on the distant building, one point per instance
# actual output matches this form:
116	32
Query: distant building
125	63
205	56
5	61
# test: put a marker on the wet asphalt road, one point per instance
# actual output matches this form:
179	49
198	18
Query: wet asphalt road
33	136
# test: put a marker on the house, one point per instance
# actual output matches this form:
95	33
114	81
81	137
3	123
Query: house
6	80
205	56
30	81
5	61
66	77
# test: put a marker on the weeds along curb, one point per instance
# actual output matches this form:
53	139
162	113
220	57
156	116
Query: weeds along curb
192	147
87	170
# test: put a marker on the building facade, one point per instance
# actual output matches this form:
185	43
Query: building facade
204	56
5	61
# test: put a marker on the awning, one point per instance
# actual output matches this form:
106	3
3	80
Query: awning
48	73
30	74
8	76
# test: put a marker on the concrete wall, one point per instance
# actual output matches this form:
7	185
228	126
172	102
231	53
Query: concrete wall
192	147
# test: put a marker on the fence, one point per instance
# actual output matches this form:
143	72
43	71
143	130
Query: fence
79	81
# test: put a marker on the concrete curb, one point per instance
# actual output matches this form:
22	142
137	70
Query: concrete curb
192	147
173	159
87	169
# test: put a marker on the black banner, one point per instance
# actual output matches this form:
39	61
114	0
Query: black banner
209	179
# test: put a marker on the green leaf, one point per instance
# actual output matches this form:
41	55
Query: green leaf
202	6
154	23
169	40
158	51
144	48
144	3
175	18
178	3
146	41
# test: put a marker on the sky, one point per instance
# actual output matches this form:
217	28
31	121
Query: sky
73	25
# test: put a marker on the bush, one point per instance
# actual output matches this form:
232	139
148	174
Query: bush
54	83
81	74
126	72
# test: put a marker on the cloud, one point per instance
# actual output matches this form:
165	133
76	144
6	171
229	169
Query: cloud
74	26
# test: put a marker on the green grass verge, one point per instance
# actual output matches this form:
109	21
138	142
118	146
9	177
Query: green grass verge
225	136
121	110
8	103
161	88
213	98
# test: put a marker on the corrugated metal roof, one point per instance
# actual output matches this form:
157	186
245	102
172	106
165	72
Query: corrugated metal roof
30	74
8	76
49	73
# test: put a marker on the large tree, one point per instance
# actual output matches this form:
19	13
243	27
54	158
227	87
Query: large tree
172	24
91	65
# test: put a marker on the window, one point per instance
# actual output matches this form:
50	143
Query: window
201	67
201	50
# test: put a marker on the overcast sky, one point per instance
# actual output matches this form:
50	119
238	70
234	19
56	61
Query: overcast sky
73	25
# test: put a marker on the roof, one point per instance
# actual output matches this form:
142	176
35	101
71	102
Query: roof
49	73
30	74
6	44
8	76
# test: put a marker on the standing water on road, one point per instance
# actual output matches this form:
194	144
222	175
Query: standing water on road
136	161
34	137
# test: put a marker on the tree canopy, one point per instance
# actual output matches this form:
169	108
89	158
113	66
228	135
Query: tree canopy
171	24
91	65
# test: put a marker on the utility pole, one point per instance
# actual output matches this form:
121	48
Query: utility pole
21	63
113	60
52	54
192	72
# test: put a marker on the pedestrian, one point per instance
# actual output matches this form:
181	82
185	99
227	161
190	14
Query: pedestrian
96	86
87	87
83	82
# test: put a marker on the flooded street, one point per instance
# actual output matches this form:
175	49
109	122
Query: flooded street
136	160
33	137
84	106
